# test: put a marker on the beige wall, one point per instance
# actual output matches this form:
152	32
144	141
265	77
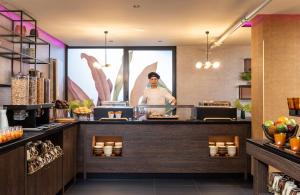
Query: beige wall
196	85
275	66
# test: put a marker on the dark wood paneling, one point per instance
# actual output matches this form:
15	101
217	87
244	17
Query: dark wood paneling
70	151
46	181
12	169
80	148
168	148
260	177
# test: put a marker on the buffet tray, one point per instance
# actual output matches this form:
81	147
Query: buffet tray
175	117
65	120
113	119
284	148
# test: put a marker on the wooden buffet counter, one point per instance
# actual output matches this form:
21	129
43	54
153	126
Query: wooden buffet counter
148	147
164	147
51	179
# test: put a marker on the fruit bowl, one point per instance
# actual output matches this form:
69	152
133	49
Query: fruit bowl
289	133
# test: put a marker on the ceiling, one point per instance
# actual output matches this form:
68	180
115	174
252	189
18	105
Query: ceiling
156	22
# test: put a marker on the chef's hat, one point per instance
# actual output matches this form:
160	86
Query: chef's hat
153	74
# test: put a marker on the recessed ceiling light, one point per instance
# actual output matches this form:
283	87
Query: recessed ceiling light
136	6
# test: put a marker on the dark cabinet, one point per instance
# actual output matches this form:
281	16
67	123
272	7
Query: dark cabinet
70	151
46	181
12	170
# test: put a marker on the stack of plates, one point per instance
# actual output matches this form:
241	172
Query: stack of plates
222	150
98	150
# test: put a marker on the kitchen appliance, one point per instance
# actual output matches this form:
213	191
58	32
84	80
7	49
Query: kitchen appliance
216	111
28	116
102	111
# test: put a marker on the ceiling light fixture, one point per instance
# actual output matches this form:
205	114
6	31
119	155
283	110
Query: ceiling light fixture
240	23
105	49
207	64
96	64
136	6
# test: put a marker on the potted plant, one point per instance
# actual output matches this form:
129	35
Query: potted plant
243	108
246	76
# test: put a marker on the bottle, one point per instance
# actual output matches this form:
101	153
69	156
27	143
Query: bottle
3	120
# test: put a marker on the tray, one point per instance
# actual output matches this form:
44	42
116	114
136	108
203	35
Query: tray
174	117
290	151
9	141
65	120
113	119
275	146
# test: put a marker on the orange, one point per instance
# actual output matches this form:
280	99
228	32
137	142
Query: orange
272	130
279	139
295	144
282	119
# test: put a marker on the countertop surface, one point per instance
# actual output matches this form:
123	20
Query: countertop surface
264	144
239	121
30	135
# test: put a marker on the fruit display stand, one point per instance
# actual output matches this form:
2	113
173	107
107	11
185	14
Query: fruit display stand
280	133
265	155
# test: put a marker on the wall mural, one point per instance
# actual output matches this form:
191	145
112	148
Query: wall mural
88	78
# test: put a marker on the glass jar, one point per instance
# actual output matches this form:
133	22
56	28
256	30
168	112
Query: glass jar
19	90
40	89
32	87
47	91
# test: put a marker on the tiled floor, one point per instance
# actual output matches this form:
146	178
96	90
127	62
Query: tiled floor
158	186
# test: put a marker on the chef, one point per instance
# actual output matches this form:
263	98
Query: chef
156	95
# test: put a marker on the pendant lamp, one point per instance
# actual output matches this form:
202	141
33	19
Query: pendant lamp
207	64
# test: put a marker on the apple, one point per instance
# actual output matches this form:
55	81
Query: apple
268	123
293	122
290	128
281	128
288	122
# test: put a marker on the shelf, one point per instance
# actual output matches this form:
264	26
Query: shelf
5	85
224	157
39	41
244	92
12	37
28	107
15	38
13	55
107	157
45	166
20	16
294	113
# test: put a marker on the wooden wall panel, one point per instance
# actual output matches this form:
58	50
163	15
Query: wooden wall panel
275	67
